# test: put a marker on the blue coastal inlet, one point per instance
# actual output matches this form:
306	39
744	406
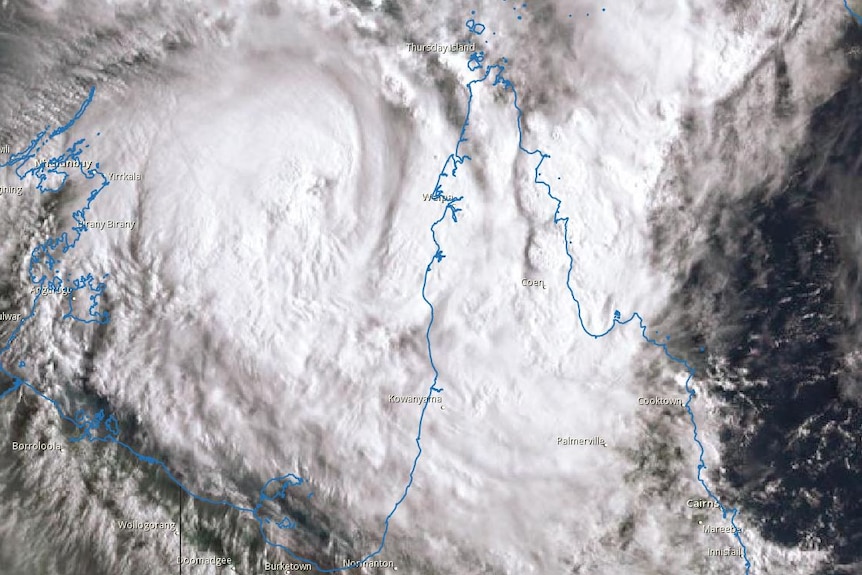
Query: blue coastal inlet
852	12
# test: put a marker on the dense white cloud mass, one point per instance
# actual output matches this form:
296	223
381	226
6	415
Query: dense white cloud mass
267	310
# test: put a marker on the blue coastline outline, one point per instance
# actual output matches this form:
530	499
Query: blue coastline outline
858	17
45	275
617	321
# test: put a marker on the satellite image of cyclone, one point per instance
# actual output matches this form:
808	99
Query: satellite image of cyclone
496	287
